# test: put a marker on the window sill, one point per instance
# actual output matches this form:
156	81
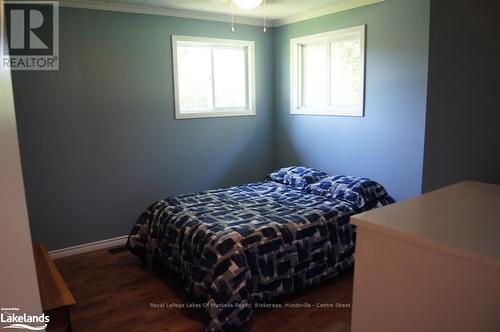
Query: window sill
329	112
180	116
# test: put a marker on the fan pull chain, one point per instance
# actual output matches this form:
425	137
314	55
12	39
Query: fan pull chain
265	18
232	15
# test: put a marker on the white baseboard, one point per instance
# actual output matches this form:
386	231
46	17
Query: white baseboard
82	248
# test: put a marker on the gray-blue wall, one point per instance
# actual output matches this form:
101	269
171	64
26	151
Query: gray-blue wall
387	143
99	140
463	113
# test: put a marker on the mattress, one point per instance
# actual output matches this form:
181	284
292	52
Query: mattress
246	244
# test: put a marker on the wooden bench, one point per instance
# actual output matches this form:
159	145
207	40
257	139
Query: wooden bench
54	293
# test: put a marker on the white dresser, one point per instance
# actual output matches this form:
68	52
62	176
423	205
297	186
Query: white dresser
431	263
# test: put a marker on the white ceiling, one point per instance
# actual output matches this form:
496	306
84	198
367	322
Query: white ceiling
277	11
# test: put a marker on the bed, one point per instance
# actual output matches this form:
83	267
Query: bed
246	244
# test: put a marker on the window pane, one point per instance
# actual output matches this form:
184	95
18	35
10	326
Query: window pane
314	75
194	71
346	72
230	76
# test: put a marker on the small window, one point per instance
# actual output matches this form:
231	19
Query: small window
213	77
327	73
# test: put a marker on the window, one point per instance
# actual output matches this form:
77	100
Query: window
327	73
213	77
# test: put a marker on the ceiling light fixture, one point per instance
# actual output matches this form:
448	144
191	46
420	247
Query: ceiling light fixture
248	4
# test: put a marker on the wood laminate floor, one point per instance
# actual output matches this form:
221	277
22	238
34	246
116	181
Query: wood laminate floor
114	293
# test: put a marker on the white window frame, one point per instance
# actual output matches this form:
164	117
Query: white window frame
249	109
296	73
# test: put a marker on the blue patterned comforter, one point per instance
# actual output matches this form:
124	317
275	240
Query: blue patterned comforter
247	244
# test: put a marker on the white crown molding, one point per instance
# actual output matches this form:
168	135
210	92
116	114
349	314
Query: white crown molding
340	7
82	248
148	10
350	4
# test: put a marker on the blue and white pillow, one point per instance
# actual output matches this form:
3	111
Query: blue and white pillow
297	177
361	192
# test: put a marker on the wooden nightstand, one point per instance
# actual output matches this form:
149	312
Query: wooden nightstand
54	293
